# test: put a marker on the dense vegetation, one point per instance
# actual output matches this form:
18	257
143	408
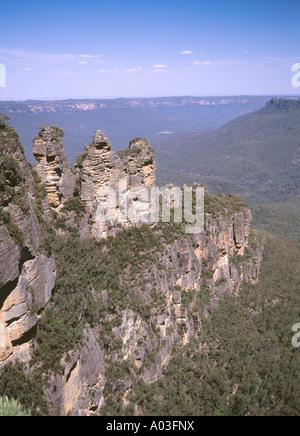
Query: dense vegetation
24	389
281	218
218	204
12	187
85	270
244	362
12	408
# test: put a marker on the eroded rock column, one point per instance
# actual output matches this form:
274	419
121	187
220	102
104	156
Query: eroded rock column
53	167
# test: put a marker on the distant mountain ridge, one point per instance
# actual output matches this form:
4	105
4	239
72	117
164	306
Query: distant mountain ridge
34	106
258	154
122	119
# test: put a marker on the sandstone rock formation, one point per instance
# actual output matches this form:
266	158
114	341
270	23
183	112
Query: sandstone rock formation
53	168
27	276
99	167
181	273
164	299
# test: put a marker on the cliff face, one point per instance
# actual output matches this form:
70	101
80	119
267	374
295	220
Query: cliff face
230	235
78	391
27	276
156	294
172	289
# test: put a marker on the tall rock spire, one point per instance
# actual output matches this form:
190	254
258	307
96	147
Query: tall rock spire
53	168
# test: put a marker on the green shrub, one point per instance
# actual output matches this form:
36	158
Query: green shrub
3	121
9	164
81	158
77	188
40	194
13	230
221	282
76	205
223	204
21	202
8	176
27	390
187	298
12	408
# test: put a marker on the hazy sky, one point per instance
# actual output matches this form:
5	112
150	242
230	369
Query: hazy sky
128	48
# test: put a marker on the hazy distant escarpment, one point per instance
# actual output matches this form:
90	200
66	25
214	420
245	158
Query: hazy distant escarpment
86	317
123	119
256	155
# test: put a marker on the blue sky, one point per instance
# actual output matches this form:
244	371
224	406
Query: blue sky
128	48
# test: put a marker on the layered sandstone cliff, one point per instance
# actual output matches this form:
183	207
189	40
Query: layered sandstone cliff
100	167
27	276
164	296
171	293
53	168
